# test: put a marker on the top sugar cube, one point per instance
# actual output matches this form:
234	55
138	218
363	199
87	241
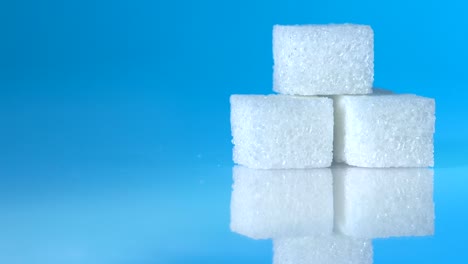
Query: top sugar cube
323	59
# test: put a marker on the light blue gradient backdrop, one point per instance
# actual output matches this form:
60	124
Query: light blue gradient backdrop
115	138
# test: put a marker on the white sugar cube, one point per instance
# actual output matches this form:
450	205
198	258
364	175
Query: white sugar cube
324	250
281	203
323	59
379	203
280	131
384	130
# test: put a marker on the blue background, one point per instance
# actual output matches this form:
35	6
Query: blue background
115	137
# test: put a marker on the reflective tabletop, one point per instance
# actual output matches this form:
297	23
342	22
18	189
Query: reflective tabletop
226	214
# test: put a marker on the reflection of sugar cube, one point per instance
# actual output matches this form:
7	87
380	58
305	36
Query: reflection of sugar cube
323	59
377	203
333	249
384	130
280	131
281	203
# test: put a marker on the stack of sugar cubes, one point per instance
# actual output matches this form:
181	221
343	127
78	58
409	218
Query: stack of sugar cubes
327	111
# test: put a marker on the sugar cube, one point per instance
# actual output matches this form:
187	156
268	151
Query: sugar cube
384	130
323	59
280	131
